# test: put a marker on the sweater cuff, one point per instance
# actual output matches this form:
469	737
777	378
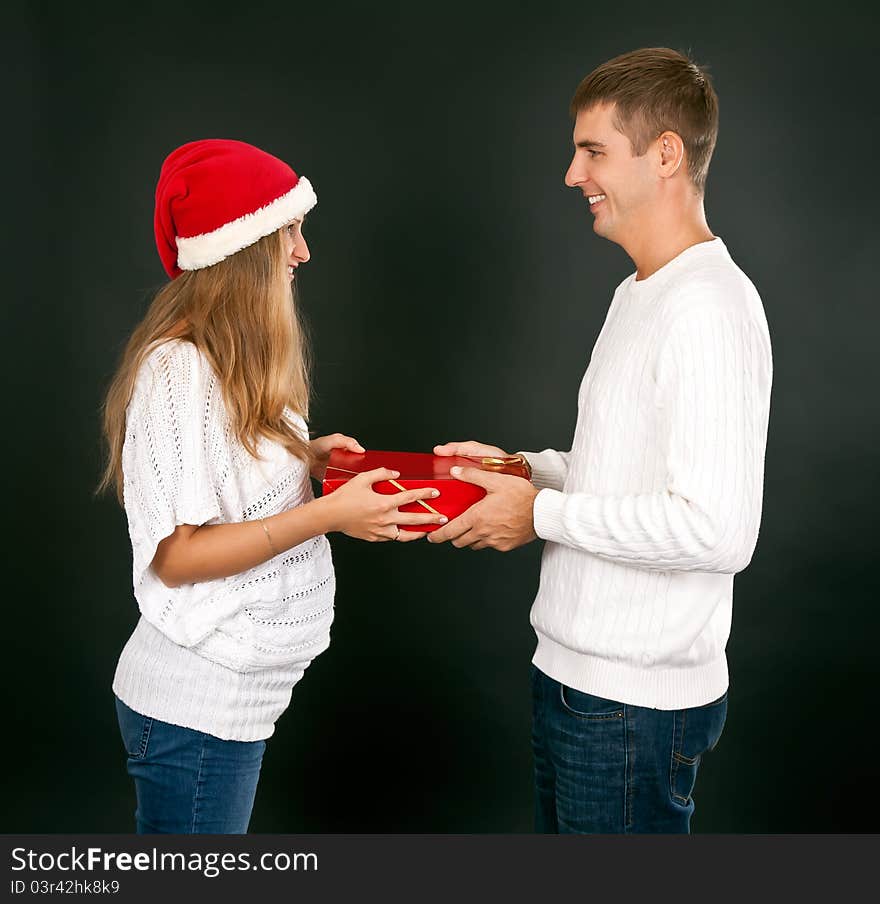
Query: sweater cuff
546	471
547	515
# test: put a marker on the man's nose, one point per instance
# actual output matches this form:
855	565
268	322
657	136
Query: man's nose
572	175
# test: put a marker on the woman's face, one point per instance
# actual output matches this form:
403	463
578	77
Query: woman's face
295	245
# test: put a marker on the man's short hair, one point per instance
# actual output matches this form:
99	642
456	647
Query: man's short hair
655	89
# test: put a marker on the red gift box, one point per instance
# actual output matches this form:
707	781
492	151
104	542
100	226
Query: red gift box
417	470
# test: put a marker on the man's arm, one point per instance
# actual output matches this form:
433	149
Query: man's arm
713	378
549	468
714	384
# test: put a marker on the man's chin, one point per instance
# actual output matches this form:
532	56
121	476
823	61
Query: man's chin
601	228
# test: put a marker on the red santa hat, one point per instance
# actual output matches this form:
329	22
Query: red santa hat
217	196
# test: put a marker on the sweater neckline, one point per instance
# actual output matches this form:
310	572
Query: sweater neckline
650	284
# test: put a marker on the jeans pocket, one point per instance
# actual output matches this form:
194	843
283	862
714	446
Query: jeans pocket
587	706
695	732
135	730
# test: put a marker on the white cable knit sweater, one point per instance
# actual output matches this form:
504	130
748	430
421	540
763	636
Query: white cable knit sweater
218	656
657	505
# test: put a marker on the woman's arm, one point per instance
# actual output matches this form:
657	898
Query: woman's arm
204	553
193	554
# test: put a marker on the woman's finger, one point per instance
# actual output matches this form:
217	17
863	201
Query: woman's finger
419	518
376	475
347	442
410	496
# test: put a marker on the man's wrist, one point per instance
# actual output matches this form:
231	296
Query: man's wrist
521	458
547	514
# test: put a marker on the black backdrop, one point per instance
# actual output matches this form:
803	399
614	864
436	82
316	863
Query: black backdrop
455	291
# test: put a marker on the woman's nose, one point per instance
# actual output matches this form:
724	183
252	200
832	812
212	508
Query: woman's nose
301	250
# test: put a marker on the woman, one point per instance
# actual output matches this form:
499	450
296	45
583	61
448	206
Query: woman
209	455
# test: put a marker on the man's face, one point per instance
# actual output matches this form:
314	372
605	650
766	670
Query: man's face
622	187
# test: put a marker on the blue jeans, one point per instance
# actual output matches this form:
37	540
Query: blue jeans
186	781
608	767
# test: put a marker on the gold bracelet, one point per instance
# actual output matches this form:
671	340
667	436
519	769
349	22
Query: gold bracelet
269	538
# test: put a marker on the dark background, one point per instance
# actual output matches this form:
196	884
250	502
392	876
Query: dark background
455	291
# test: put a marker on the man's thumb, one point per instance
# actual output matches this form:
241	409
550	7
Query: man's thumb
476	476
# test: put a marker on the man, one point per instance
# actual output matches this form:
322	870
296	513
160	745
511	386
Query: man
657	504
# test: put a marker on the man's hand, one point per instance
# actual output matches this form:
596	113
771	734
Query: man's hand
470	447
503	520
322	446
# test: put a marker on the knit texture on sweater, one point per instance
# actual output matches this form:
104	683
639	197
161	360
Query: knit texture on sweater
219	656
658	503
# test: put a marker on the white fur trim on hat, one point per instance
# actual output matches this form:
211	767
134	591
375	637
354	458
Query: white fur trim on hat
199	251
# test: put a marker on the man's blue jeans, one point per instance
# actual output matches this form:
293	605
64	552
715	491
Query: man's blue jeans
609	767
186	781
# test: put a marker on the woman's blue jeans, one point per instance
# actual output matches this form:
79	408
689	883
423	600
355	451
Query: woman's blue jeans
187	781
608	767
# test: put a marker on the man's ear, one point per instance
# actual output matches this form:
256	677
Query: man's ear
671	153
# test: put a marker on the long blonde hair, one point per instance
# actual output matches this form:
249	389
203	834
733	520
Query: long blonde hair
241	314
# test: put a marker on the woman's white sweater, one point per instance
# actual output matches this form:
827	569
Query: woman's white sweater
218	656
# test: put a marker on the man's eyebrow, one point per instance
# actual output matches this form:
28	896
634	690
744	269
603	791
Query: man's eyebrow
589	143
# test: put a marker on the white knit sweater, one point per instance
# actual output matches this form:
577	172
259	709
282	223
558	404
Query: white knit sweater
657	505
219	656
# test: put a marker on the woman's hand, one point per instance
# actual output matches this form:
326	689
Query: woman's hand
322	446
357	510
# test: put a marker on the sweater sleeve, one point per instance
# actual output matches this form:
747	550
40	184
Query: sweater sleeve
713	378
549	468
167	475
